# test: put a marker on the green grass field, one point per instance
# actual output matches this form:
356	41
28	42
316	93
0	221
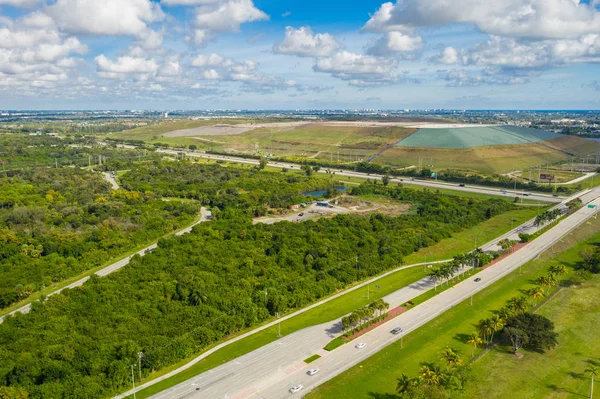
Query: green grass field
376	376
338	307
558	373
490	159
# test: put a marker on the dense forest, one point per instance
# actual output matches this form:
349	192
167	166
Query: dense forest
57	223
216	186
196	289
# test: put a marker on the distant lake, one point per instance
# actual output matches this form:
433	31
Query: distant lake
593	139
320	193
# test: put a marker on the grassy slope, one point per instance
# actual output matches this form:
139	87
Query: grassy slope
345	304
377	375
490	159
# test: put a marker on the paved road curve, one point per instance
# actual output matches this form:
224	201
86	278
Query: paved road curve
204	213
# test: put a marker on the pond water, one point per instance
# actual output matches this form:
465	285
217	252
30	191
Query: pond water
320	193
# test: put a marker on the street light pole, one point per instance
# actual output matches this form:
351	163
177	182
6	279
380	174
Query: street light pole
140	354
133	380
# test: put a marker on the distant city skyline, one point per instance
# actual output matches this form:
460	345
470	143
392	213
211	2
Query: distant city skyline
267	54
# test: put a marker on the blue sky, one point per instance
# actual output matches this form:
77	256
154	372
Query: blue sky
267	54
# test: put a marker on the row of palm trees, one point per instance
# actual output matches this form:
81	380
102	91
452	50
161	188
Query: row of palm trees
431	374
458	265
546	216
359	316
487	328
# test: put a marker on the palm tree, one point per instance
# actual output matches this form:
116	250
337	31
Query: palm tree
593	371
431	374
485	329
536	293
403	383
558	270
518	304
450	357
496	324
474	340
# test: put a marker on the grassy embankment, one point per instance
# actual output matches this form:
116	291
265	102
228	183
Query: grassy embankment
498	374
348	302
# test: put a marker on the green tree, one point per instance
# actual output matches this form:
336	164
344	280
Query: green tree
474	341
385	180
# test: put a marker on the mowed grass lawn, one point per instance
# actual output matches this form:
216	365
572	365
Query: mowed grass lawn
376	376
347	303
558	373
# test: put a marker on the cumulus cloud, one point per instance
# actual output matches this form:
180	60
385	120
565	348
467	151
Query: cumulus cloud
219	17
214	67
359	70
108	17
303	43
448	56
395	42
541	19
34	53
124	66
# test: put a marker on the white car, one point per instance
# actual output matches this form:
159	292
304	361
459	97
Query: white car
296	388
360	345
312	371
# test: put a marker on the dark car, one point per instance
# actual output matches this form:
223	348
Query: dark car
396	330
461	185
477	280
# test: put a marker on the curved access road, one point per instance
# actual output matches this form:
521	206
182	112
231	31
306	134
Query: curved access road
204	216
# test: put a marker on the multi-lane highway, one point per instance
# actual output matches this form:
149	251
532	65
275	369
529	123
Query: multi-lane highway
204	216
269	371
508	193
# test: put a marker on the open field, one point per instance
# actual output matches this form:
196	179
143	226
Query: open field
475	136
345	304
490	159
376	376
558	373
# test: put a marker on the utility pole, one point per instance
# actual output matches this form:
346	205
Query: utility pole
56	163
133	381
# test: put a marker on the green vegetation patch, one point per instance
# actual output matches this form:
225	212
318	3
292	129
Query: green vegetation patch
335	343
312	359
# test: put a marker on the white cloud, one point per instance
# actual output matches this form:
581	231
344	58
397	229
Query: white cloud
211	60
359	70
303	43
541	19
108	17
227	16
448	56
465	78
189	2
394	42
124	66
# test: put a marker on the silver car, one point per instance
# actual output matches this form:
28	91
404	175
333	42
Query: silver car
312	371
296	388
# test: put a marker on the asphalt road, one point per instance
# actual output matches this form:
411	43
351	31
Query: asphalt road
112	267
271	370
508	193
113	182
343	358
